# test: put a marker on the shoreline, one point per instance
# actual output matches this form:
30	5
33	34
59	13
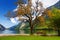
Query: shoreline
25	34
14	34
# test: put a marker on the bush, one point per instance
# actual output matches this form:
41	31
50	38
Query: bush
56	19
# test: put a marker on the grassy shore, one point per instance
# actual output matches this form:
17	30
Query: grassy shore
29	37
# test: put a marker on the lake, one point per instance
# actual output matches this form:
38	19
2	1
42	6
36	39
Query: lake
13	32
25	31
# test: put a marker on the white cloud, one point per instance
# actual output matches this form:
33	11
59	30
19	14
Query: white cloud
17	18
12	20
49	3
46	3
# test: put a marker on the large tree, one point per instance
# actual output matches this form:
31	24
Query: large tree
27	12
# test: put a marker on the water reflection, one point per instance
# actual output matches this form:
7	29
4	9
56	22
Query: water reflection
8	32
22	31
25	31
13	32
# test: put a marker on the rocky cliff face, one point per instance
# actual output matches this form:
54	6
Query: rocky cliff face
2	27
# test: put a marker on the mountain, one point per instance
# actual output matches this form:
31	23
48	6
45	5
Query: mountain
2	27
20	26
15	27
57	5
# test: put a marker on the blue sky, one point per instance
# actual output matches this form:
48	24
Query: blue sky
5	6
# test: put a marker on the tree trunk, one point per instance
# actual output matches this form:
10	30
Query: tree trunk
31	27
31	24
58	32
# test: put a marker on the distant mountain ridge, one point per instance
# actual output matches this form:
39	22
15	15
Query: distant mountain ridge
2	27
15	27
19	26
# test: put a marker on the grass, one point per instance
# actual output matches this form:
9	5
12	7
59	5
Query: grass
29	38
